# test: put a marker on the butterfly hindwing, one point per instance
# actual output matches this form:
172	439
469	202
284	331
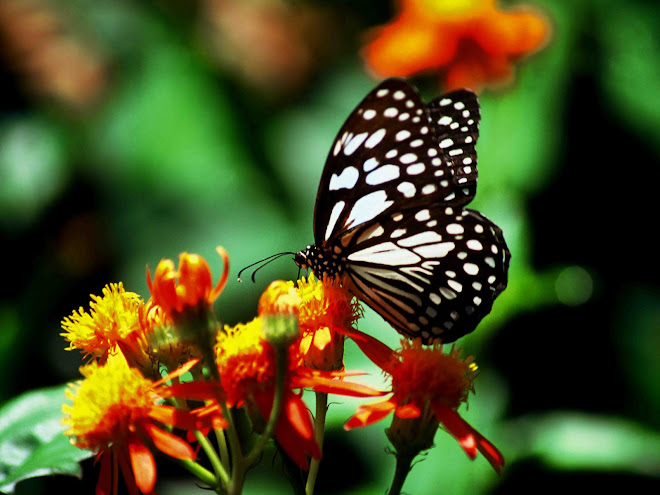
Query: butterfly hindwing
431	273
388	153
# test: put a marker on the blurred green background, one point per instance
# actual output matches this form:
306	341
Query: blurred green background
133	131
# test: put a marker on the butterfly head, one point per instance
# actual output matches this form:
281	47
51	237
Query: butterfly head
318	261
302	258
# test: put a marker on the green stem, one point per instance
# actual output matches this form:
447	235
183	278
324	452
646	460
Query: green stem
210	452
403	466
281	363
200	472
319	431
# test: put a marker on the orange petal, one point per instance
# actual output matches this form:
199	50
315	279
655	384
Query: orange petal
368	414
458	428
409	45
334	386
223	278
143	465
104	483
169	444
490	452
408	411
381	355
185	420
181	370
194	279
294	430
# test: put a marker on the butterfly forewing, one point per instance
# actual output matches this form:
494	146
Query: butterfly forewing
456	116
389	214
388	153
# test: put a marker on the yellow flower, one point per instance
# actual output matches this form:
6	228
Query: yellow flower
114	410
326	314
112	318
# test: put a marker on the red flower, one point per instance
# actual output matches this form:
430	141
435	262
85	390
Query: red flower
470	41
428	386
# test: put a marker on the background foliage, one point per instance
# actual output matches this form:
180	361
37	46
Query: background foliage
132	131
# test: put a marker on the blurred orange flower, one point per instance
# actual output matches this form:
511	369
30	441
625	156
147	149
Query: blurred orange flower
470	42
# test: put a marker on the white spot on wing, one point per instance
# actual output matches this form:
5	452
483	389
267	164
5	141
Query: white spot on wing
355	143
438	250
402	135
374	231
369	114
369	164
421	238
386	253
368	207
334	215
375	138
407	189
346	180
383	174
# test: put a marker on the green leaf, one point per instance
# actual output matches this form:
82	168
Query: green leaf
32	440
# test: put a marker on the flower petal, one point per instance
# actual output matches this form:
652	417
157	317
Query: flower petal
469	438
457	427
104	483
223	278
490	452
380	354
294	430
334	386
408	411
169	444
143	464
368	414
181	370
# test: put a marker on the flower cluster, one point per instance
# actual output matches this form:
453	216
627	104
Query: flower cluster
471	43
122	410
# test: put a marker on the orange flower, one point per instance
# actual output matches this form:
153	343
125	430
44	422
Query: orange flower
247	369
326	314
189	286
115	410
472	42
428	386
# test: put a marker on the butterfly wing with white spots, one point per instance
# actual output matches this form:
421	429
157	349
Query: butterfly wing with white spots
389	213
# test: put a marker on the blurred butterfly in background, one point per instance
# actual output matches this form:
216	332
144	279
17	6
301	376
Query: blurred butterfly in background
390	214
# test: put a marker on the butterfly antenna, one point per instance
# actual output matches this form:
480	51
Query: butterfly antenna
263	263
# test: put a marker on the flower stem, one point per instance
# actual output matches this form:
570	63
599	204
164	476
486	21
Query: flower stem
218	468
403	466
281	360
319	431
200	472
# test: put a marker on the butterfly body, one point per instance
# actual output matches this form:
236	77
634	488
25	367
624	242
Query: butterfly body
389	214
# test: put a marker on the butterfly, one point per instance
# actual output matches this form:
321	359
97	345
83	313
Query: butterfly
390	217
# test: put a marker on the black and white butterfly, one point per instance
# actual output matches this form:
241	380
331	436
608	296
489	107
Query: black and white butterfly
390	214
